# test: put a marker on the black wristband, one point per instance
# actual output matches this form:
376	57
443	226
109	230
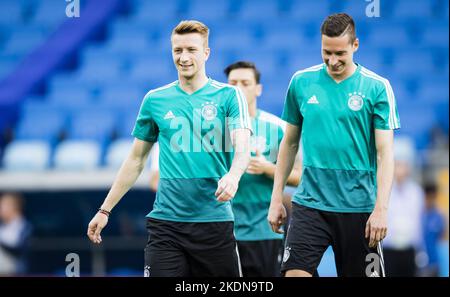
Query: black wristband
105	212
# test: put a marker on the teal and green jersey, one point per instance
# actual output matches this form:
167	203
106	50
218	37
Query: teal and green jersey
252	200
337	123
193	132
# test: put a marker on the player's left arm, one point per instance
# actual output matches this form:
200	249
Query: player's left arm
228	184
376	227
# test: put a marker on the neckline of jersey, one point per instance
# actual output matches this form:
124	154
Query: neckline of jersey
197	91
351	77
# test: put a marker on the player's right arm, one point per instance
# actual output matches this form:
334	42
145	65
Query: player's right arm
154	167
128	173
286	155
286	158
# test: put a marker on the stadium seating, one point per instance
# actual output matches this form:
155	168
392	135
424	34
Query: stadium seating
77	155
408	45
117	152
27	155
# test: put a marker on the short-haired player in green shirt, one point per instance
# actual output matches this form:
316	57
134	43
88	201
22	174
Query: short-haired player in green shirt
198	123
344	115
259	248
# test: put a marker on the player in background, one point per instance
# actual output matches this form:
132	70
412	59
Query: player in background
260	249
344	115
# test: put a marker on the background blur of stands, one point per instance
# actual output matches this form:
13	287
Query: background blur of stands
70	89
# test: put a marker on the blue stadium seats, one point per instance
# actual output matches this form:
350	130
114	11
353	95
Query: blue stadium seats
150	69
154	11
441	111
309	10
126	125
418	63
418	9
70	98
27	155
233	40
251	10
99	71
117	152
11	12
6	66
129	42
208	11
95	123
436	34
216	65
77	155
40	121
273	96
50	12
408	45
433	91
266	60
385	34
416	125
304	58
23	39
121	95
403	95
289	39
371	59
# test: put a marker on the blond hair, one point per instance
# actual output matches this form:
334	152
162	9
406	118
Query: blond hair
192	26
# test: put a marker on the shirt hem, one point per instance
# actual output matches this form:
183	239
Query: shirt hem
334	209
224	219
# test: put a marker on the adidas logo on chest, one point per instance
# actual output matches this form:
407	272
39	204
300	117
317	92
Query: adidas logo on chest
313	100
169	115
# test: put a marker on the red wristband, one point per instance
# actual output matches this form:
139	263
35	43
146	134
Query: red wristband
105	212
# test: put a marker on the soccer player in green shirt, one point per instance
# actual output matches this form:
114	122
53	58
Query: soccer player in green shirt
194	119
344	115
259	248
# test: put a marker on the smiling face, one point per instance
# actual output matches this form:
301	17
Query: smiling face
189	53
337	54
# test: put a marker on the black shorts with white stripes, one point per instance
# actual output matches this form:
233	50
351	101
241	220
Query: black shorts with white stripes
180	249
312	231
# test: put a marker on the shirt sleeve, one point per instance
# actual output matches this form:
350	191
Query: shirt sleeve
385	109
237	112
291	111
145	127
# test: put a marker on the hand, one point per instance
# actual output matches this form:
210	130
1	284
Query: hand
227	187
96	225
277	216
258	164
376	227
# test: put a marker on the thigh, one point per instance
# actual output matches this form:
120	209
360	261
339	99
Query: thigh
212	252
308	237
353	256
164	257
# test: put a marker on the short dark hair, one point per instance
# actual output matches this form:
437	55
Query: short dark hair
245	65
430	188
339	24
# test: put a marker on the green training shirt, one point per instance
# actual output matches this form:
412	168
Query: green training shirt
337	133
195	147
252	200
